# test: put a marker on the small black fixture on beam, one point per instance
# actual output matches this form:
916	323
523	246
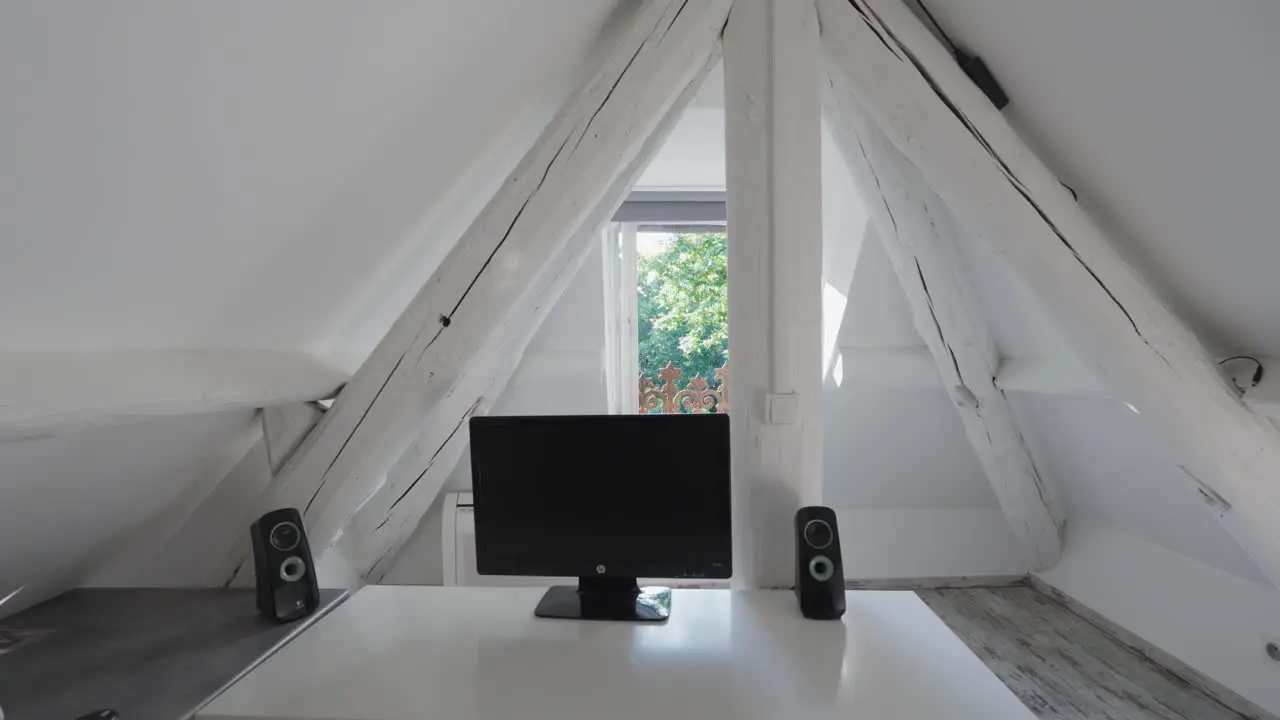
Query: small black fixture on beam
972	65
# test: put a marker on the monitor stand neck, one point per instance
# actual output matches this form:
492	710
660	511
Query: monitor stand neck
597	598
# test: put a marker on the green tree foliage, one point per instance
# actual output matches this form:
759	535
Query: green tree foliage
683	306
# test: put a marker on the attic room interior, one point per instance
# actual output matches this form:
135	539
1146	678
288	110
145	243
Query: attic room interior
629	358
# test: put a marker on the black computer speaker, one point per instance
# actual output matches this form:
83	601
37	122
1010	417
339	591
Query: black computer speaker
285	574
819	570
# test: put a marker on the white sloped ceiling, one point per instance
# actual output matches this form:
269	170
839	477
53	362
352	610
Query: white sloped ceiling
236	174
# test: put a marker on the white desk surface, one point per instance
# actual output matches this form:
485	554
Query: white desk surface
461	653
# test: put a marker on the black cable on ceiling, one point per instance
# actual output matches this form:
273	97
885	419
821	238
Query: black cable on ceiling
1257	374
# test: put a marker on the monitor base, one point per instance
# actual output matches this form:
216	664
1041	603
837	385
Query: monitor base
619	599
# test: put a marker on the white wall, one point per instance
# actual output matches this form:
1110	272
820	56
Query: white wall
1216	622
896	459
913	500
67	503
1122	475
693	157
193	533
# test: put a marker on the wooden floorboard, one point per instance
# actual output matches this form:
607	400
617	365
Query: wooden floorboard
1061	666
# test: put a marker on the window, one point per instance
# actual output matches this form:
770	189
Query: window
667	307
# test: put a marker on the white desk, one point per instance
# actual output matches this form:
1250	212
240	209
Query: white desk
479	654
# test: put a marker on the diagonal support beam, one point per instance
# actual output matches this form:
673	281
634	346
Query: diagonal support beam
593	139
369	543
912	88
919	237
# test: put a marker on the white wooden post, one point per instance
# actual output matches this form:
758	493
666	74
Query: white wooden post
912	88
773	165
595	137
916	229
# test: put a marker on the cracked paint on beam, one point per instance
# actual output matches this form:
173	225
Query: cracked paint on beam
933	313
431	463
374	534
920	241
549	196
904	52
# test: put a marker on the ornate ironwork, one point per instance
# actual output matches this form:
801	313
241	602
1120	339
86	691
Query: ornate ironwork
697	396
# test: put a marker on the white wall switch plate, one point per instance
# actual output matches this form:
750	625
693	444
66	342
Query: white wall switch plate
783	408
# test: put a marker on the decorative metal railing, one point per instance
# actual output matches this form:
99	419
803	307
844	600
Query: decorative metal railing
697	395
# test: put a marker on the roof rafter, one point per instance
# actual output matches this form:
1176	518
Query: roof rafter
554	192
912	88
378	530
917	232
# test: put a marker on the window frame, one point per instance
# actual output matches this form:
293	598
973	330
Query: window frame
643	211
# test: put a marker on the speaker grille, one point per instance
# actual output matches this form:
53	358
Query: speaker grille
821	568
292	569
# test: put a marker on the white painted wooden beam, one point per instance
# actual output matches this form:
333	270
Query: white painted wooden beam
1265	397
912	88
369	543
919	237
911	366
377	531
773	115
45	393
543	204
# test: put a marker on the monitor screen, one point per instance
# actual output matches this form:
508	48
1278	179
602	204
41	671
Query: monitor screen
607	496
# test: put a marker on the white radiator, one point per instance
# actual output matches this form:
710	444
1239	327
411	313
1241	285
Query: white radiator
458	550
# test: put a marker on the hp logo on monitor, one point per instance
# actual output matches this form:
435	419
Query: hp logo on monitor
600	569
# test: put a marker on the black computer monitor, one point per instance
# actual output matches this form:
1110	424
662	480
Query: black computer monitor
608	498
